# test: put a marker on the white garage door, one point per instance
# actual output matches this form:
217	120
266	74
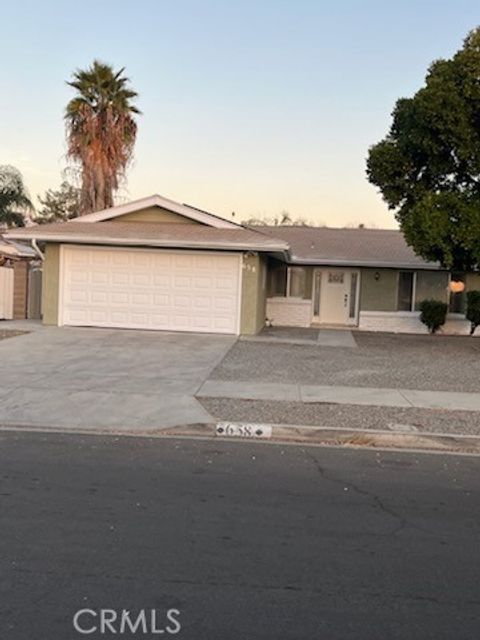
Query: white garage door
145	289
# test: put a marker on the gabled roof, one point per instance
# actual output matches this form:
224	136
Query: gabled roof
197	215
348	247
152	234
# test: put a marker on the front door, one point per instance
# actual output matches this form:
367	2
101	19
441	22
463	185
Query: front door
335	296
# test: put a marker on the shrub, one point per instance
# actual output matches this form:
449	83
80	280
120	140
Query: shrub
473	310
433	314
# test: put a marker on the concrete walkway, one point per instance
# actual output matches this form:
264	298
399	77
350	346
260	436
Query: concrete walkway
310	337
448	400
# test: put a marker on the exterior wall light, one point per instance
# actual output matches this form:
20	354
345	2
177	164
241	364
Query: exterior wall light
377	275
456	286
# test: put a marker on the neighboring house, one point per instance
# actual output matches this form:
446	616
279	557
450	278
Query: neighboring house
158	264
20	286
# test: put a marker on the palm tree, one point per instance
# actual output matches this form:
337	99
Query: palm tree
101	132
15	202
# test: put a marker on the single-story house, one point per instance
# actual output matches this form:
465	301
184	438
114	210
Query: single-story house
158	264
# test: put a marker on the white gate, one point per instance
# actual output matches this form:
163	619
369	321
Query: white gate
6	293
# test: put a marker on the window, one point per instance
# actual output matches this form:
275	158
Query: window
430	285
278	281
296	282
335	277
287	281
406	286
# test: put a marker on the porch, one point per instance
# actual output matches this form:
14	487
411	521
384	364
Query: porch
364	298
313	297
306	336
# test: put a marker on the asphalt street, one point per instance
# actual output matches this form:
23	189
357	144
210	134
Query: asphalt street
244	540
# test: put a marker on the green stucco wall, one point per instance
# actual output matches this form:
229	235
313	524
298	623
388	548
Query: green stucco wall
378	294
154	214
252	313
472	282
51	284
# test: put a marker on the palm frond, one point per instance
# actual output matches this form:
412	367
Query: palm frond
101	131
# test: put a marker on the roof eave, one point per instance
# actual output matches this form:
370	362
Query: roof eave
149	242
374	264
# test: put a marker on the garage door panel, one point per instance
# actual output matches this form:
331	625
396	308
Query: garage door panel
150	289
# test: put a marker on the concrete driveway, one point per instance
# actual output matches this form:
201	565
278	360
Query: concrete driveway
105	379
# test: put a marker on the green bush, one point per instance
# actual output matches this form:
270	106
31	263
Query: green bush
433	314
473	310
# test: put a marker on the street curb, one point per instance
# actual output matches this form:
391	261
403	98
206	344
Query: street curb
286	434
328	436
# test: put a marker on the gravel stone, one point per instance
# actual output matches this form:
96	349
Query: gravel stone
345	416
436	363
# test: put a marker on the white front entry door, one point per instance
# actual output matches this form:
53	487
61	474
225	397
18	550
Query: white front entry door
150	289
335	296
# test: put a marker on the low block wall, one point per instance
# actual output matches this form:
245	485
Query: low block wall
289	312
409	322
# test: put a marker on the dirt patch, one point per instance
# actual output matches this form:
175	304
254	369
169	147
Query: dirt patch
10	333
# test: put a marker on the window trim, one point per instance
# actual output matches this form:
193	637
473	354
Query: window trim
414	291
289	282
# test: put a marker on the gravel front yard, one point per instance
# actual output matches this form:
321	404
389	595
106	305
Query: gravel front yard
345	416
437	363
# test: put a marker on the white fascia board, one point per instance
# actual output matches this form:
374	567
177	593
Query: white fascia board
158	201
185	244
358	263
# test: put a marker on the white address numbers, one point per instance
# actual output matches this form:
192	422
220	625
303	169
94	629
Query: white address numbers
243	430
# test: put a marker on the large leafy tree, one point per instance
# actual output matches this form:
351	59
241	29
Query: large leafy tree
101	132
15	204
59	205
428	166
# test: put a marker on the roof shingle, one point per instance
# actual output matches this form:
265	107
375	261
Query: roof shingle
354	247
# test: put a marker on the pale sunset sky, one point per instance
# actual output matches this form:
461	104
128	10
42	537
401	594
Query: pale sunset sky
253	106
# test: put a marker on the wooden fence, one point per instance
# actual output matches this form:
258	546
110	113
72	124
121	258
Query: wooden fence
6	293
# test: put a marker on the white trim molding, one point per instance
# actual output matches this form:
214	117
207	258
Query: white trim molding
208	245
165	203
